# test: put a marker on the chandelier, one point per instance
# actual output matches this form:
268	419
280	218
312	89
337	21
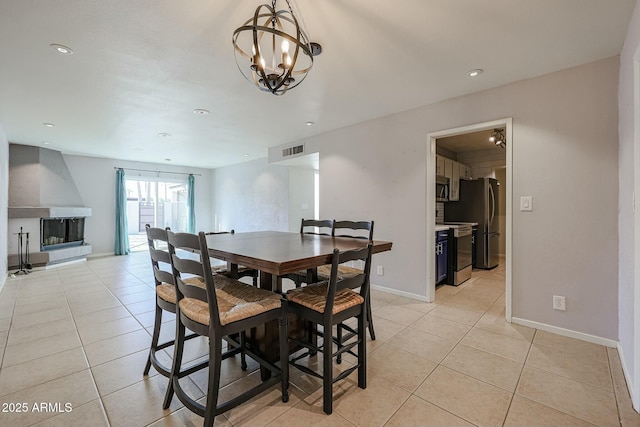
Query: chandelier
272	50
497	137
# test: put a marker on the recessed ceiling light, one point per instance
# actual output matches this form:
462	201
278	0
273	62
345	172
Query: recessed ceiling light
46	143
474	73
245	155
49	125
62	49
201	111
164	135
309	123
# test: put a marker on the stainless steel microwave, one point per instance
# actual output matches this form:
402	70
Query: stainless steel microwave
442	188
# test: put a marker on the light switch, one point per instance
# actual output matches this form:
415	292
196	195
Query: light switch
526	203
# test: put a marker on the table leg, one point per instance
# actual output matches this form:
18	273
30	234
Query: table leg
266	337
233	270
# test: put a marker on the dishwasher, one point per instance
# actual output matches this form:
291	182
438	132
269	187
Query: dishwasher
461	255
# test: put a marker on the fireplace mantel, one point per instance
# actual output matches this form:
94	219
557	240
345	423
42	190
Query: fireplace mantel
48	212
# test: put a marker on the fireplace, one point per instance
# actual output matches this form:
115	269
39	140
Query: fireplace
57	233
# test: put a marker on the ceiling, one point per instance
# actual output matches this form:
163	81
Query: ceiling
140	68
473	141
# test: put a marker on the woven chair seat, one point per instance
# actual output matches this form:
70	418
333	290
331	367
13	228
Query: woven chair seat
315	298
168	292
222	269
236	301
344	272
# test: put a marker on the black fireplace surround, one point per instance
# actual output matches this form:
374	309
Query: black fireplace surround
56	233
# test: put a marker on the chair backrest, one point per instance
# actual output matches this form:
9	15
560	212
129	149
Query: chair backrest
160	260
354	229
359	281
316	226
185	265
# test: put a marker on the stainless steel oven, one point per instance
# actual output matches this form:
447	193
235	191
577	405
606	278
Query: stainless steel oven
461	252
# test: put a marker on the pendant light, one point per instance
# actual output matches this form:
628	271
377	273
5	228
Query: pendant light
272	50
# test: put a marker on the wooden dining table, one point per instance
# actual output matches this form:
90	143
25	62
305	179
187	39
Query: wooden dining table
276	254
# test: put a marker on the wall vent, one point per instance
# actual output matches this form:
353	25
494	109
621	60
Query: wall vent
291	151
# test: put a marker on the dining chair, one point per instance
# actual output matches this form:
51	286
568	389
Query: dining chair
354	230
351	229
165	294
331	304
321	227
236	271
223	309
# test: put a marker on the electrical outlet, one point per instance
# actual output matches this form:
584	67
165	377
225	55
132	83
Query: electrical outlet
559	303
380	271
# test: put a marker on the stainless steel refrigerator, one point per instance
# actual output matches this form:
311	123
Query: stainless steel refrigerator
479	203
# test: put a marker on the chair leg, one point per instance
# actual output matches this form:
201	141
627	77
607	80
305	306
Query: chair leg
284	355
362	352
339	341
243	357
215	362
372	333
154	339
327	371
312	334
177	362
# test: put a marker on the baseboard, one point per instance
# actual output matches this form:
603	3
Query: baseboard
399	293
566	332
3	280
629	378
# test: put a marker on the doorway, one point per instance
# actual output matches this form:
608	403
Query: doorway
156	202
304	188
432	139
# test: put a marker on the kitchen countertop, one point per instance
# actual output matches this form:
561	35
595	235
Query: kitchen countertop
448	225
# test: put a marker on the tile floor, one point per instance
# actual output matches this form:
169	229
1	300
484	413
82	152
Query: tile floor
74	340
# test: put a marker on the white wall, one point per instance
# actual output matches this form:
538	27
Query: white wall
252	196
562	147
96	178
629	228
4	199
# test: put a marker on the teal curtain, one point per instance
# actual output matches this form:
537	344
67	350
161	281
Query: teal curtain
191	202
122	238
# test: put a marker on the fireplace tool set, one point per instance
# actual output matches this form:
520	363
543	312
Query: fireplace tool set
25	266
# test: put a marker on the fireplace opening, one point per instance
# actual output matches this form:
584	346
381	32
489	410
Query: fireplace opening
56	233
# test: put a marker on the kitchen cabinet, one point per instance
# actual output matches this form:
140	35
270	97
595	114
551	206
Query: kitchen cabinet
441	255
454	171
454	182
448	167
439	165
465	171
